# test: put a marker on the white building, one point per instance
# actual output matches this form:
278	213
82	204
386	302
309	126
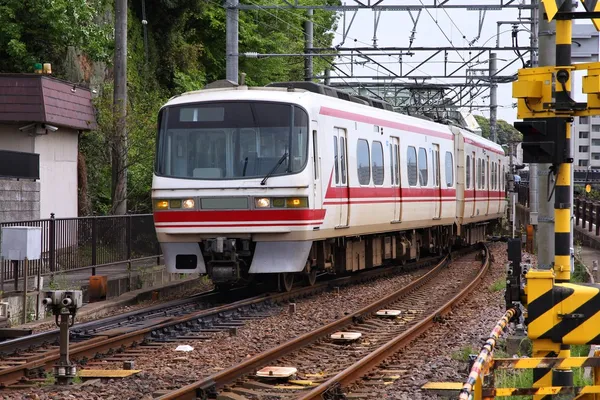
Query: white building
40	121
586	130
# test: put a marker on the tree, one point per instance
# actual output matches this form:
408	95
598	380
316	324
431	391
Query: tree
506	132
41	31
186	49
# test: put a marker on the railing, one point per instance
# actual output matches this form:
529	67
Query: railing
588	211
16	164
88	242
585	211
522	190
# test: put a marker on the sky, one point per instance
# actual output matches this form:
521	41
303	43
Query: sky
450	27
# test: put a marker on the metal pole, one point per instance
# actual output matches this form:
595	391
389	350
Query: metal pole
563	198
533	168
493	98
25	273
232	37
308	40
327	76
545	232
63	368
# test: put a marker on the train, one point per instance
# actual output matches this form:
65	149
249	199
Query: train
295	179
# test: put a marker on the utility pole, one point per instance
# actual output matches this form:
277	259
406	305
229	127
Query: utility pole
119	142
232	38
493	98
545	233
533	168
308	45
545	210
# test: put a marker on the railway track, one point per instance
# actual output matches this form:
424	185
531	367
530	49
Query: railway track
326	366
25	361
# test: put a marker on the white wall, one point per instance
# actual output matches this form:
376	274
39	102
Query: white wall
11	138
58	173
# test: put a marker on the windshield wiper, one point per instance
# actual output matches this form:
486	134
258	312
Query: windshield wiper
271	172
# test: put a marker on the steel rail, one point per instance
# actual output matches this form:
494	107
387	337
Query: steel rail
102	343
207	387
372	360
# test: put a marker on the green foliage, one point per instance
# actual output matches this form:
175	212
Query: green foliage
499	285
186	50
506	132
41	31
463	353
580	274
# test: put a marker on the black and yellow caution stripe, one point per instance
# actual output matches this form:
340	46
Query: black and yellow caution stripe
545	362
567	313
542	391
590	6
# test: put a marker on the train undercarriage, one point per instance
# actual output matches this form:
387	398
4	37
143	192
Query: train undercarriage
232	262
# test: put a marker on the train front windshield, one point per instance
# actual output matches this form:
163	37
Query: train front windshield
231	140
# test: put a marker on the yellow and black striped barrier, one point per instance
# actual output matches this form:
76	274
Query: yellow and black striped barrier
542	391
564	313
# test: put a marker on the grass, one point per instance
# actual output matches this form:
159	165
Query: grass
499	285
464	353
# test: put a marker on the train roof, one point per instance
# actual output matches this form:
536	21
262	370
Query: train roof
281	91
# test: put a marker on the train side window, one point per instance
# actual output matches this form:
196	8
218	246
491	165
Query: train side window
343	159
468	169
396	165
377	163
499	176
423	175
487	173
392	165
315	155
449	170
363	162
335	159
411	160
479	173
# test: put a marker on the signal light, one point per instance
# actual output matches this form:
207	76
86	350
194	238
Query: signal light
544	140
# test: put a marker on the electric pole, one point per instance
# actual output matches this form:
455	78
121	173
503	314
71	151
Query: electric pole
119	142
232	38
308	40
493	99
533	168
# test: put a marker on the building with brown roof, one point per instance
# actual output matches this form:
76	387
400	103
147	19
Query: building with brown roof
40	121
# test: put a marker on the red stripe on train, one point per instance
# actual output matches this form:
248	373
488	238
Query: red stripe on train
239	215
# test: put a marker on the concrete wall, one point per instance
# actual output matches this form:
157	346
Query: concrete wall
58	173
19	200
56	191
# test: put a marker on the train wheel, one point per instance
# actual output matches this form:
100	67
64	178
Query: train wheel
286	281
311	277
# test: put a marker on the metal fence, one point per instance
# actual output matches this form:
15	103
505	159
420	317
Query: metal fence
88	242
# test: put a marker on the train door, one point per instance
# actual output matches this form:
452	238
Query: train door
395	177
317	185
499	188
476	179
437	193
342	180
488	181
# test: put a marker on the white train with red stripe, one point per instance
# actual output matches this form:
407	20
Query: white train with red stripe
297	177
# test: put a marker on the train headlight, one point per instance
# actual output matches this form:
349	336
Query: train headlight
297	202
161	204
174	203
262	202
189	203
